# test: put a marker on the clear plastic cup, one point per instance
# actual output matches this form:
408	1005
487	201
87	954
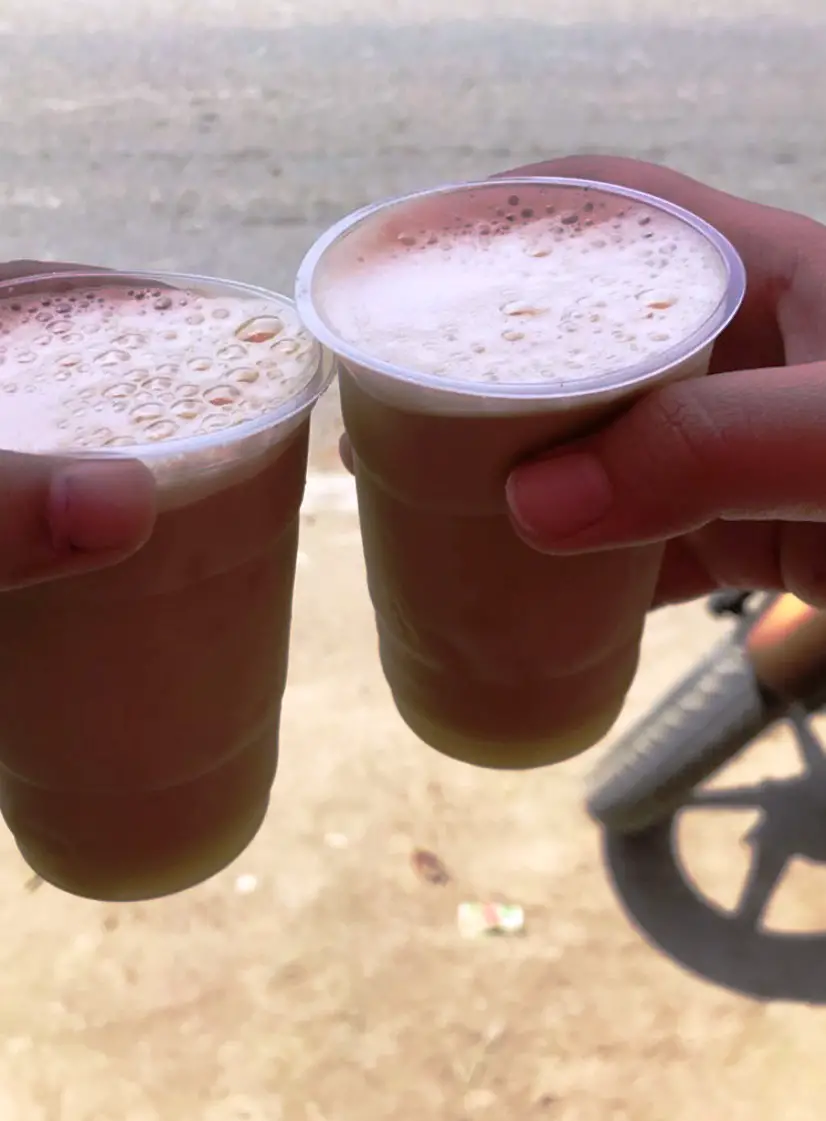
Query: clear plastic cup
495	654
140	704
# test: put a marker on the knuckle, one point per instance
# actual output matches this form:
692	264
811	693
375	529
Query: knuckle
677	434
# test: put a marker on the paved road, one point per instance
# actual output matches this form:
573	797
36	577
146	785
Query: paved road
227	149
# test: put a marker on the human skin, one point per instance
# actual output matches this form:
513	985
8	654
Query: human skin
728	472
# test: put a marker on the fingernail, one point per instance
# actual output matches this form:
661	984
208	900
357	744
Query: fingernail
558	497
101	507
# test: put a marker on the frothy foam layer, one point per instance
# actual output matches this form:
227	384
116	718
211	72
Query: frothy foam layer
525	297
114	367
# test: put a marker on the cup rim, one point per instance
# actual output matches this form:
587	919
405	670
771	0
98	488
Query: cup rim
184	445
588	387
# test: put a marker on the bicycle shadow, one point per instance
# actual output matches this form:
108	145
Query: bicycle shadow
729	948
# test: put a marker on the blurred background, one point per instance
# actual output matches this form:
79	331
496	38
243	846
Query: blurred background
323	977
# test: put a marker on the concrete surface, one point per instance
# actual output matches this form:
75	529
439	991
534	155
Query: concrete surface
319	979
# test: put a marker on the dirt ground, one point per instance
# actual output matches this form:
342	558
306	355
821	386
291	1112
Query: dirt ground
320	979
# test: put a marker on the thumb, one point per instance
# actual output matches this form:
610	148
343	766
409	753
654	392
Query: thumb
61	517
748	445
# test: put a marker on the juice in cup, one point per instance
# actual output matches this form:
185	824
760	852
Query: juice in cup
139	705
478	325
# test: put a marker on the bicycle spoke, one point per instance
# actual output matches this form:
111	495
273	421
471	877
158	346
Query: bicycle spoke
765	873
810	747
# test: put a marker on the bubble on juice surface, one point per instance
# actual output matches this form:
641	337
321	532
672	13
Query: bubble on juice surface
117	366
260	329
526	291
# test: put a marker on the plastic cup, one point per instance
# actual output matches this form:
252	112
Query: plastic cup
495	654
140	705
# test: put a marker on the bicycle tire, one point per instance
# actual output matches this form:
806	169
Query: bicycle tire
698	727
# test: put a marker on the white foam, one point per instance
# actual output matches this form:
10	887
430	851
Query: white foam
544	299
113	367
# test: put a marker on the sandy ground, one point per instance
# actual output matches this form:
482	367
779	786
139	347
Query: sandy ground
319	978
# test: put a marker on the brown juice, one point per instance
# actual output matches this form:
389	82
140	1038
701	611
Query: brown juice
478	326
494	653
140	704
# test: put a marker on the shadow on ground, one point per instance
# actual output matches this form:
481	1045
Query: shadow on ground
732	949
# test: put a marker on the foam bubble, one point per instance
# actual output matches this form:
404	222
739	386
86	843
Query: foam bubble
525	295
117	367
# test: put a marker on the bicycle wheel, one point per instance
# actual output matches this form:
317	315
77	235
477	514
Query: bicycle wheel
698	727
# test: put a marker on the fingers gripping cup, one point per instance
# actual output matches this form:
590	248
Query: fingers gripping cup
139	705
479	325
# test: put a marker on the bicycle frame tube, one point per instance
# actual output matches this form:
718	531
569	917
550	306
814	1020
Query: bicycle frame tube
787	647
